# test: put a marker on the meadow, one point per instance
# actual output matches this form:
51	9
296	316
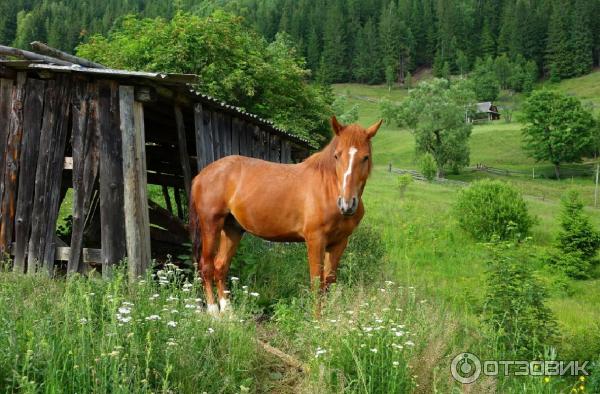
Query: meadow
409	298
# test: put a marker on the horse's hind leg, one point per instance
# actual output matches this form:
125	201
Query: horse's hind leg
230	239
211	231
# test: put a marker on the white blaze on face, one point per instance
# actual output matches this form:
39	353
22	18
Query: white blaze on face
352	151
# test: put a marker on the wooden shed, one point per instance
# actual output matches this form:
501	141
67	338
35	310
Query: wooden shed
485	111
67	123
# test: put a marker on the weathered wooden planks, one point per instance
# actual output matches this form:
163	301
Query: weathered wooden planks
217	139
286	151
274	148
48	177
236	135
6	88
226	133
85	140
112	219
137	222
30	145
245	139
204	153
184	157
11	164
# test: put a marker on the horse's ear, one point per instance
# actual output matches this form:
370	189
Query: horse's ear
372	130
336	126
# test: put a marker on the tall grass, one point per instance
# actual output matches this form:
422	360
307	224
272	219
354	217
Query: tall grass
86	335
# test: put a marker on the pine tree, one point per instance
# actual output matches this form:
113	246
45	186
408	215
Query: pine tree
488	43
558	49
332	66
366	59
581	39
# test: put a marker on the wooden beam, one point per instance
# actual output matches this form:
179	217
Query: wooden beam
88	255
112	217
85	139
30	145
167	198
165	219
9	51
58	54
137	222
184	157
145	94
11	164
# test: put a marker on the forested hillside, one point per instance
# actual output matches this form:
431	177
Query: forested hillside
355	40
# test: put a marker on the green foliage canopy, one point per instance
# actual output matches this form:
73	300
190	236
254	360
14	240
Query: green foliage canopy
558	129
234	64
436	114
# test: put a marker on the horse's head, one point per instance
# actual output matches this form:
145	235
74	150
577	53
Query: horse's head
352	152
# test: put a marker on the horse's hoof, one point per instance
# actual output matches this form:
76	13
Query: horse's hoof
213	309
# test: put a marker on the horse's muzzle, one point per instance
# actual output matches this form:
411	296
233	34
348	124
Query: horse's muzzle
347	208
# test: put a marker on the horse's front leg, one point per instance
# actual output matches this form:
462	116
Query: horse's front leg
333	255
316	253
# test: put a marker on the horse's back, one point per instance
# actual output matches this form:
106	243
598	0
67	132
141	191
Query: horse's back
264	197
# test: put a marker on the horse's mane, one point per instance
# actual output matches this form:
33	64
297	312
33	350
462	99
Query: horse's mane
324	160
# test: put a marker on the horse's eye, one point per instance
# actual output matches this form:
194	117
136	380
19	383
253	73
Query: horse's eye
366	158
336	156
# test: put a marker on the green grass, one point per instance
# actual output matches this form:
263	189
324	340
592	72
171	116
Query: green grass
429	250
410	296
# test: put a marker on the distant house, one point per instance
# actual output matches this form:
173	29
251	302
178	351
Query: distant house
485	111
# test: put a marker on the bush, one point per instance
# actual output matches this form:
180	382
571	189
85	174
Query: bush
403	181
490	208
428	166
515	307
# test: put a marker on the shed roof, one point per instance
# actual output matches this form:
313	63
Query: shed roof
485	107
183	84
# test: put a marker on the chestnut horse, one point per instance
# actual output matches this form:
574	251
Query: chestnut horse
317	201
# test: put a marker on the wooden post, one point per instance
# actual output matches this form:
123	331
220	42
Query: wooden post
184	158
137	222
48	177
32	123
85	140
11	165
112	219
596	188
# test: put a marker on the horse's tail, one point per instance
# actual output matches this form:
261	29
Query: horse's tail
194	228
